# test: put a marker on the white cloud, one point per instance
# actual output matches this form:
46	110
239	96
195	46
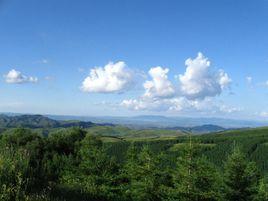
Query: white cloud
113	77
195	92
137	104
158	92
227	109
200	80
180	105
159	86
249	80
148	104
16	77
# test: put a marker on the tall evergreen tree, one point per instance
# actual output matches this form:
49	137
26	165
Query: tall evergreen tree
146	177
241	178
195	178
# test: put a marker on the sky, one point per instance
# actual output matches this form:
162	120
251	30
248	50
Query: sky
123	58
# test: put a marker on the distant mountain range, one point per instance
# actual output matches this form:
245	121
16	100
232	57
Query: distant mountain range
193	125
149	121
39	121
200	129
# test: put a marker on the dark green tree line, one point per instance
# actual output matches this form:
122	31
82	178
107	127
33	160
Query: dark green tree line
72	165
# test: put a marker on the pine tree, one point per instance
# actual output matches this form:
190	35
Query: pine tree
195	178
241	178
207	182
145	176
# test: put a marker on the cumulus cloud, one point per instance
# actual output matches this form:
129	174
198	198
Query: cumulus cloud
195	92
159	86
113	77
200	80
158	92
16	77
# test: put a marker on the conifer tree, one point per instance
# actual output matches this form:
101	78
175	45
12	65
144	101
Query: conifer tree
241	178
145	175
195	178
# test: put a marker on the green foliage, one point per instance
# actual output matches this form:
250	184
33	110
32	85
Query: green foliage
60	151
262	191
195	178
75	164
65	141
32	145
241	178
94	173
14	178
147	178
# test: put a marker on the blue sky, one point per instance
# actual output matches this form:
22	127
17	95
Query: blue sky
52	46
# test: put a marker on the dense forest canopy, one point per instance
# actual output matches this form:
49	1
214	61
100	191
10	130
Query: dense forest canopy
81	164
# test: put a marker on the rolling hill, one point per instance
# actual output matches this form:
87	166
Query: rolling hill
39	121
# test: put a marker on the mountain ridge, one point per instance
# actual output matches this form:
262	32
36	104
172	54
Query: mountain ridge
154	121
41	121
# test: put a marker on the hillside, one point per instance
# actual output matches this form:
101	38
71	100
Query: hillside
215	146
39	121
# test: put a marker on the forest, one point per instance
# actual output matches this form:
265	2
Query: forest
75	164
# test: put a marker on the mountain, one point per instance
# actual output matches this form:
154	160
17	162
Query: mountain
207	129
199	129
150	121
181	124
38	121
